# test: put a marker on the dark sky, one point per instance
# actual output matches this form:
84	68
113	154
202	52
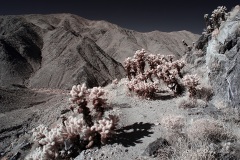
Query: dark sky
139	15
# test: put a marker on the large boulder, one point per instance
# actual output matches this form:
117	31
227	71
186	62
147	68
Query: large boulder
223	60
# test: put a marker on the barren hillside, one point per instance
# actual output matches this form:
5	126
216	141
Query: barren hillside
59	50
201	122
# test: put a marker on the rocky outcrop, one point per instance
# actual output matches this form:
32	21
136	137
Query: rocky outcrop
223	60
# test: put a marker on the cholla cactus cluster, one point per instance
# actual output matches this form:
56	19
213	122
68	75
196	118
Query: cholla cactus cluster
142	88
136	64
79	94
142	81
86	127
191	82
215	19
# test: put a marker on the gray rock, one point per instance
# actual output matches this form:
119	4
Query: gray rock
202	42
224	64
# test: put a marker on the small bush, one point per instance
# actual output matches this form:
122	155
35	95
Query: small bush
173	122
187	103
203	153
207	130
205	93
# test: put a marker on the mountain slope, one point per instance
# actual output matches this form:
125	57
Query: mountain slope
114	40
59	50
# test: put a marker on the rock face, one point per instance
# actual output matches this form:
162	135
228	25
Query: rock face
57	51
223	60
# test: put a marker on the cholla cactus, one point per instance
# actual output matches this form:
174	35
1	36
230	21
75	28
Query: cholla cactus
96	96
160	67
128	67
142	88
178	65
82	130
79	94
213	22
191	82
53	136
73	126
151	59
39	132
49	140
140	56
105	127
136	64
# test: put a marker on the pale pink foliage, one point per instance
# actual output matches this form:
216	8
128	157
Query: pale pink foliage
191	82
159	67
79	93
105	127
82	126
97	95
215	20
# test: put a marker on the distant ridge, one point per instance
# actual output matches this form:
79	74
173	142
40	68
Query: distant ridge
59	50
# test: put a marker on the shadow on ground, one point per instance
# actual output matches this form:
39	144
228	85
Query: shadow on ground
132	134
163	96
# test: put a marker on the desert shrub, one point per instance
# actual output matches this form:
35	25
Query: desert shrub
203	153
87	126
207	130
205	93
173	122
187	103
144	71
189	150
